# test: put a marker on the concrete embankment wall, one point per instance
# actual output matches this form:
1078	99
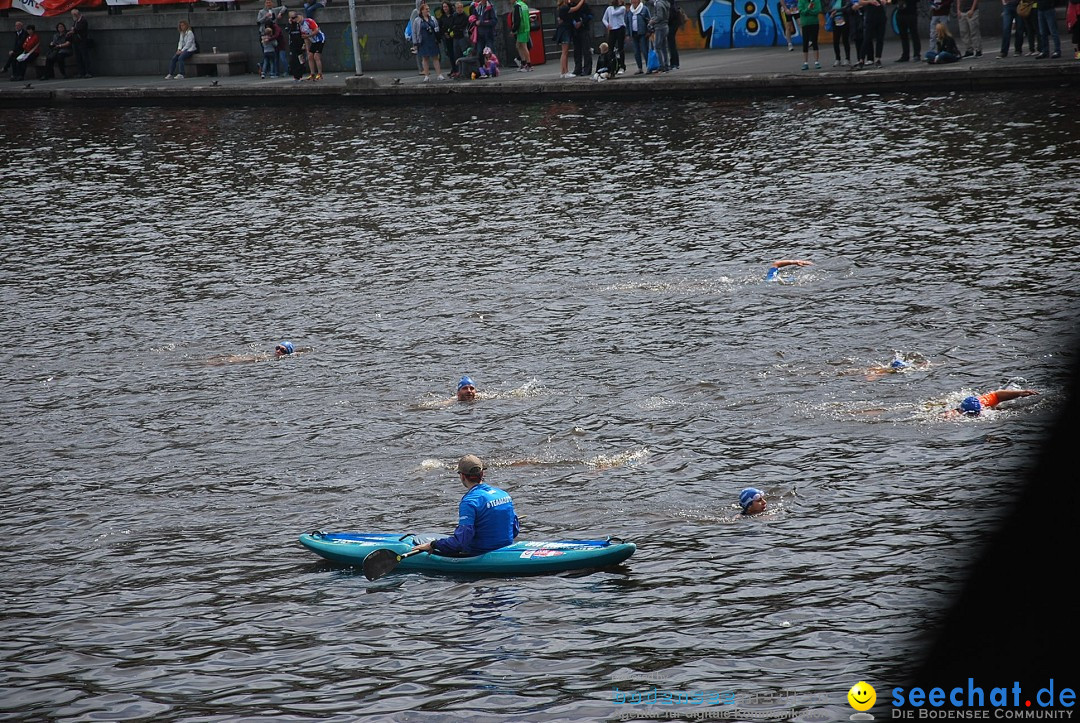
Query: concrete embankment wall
139	40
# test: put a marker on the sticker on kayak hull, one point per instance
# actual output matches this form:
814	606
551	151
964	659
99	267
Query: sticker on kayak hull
541	553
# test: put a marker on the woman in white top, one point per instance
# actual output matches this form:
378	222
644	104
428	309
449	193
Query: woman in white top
615	22
185	48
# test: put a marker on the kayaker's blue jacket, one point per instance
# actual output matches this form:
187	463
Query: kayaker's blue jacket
486	521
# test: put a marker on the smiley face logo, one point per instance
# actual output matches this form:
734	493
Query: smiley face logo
862	696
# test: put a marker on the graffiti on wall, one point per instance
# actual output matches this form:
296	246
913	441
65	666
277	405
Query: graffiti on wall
739	24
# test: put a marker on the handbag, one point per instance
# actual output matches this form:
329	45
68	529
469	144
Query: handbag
22	57
1024	8
653	62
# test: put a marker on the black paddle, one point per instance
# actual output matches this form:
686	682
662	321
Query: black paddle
380	562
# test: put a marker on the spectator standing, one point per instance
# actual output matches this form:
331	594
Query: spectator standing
1031	26
486	21
841	34
269	51
676	18
874	31
967	18
907	22
314	39
80	43
296	47
789	15
59	51
425	35
521	26
446	31
637	22
658	23
1048	29
808	20
16	49
581	22
28	54
615	22
563	35
185	48
461	32
1009	16
1072	23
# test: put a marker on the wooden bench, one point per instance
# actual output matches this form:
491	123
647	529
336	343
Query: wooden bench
232	63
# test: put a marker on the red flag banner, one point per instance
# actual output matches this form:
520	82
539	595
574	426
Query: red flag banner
48	8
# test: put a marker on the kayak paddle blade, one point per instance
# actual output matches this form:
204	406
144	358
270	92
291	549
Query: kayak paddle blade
380	562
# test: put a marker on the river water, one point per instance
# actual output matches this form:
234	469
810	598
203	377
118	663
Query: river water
598	270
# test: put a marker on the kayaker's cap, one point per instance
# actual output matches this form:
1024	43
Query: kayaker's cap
748	495
971	406
465	382
285	347
470	466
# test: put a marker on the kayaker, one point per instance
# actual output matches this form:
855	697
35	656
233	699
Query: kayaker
972	406
466	390
752	501
486	518
773	274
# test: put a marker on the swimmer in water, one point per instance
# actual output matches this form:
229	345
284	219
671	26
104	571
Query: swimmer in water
899	365
283	349
972	406
466	390
752	501
773	274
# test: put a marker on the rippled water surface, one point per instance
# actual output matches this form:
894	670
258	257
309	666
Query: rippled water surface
598	270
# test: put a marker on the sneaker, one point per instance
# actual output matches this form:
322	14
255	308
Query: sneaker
902	59
806	66
790	47
168	77
877	64
817	65
969	53
848	62
318	77
1041	56
427	78
262	75
1002	55
836	64
620	71
639	71
1055	55
179	76
441	77
978	53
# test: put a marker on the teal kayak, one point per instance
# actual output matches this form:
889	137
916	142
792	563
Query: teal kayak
520	558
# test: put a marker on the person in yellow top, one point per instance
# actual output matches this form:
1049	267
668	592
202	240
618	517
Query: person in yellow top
809	10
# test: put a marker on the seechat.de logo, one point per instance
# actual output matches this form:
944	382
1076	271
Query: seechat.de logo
862	697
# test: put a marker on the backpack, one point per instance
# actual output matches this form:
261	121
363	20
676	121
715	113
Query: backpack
408	31
518	21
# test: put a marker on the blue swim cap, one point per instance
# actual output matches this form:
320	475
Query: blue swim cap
465	382
971	406
287	346
898	364
747	496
